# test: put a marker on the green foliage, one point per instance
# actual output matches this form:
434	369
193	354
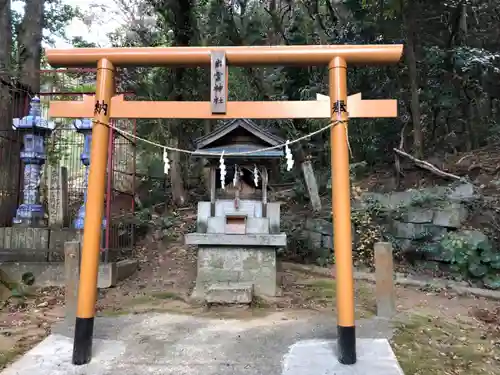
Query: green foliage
64	145
148	217
18	289
366	232
300	192
456	78
471	258
426	199
58	14
79	42
452	76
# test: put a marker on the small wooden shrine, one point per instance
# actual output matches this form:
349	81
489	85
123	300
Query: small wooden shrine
239	229
239	136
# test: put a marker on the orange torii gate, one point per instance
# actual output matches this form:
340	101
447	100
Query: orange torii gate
338	108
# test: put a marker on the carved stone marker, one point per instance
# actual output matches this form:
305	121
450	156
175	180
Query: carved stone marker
57	182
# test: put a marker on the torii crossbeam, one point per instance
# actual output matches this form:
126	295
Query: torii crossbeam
339	107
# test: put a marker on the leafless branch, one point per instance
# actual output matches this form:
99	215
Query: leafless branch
428	166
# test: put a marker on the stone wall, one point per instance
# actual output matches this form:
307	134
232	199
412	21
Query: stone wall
233	265
418	219
18	244
319	233
414	220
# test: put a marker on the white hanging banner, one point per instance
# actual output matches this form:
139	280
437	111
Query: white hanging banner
222	168
166	161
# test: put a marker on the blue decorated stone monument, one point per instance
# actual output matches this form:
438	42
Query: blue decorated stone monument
34	129
84	127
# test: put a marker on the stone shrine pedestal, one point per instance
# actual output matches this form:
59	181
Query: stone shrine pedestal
237	238
232	267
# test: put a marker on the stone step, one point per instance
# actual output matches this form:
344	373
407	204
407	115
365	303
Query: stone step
231	293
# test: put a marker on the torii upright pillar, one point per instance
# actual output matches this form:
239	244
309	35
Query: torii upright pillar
94	210
341	209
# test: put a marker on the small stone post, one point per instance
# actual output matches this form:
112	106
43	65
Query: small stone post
72	276
384	280
35	129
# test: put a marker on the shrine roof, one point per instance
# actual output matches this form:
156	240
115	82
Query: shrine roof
223	138
214	152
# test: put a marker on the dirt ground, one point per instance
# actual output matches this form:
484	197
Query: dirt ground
437	332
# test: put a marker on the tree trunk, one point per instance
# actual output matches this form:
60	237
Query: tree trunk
9	149
6	39
469	131
5	64
176	180
180	17
411	60
30	44
272	37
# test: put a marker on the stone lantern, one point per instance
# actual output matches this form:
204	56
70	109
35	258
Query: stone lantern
34	129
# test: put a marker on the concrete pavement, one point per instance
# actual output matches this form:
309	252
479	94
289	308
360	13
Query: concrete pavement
168	344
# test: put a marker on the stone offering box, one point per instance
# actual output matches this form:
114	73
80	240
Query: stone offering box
237	238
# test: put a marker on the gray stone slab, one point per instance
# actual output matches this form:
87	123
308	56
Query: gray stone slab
21	244
256	266
315	239
389	202
327	242
274	213
251	208
451	216
53	274
59	236
113	272
107	276
254	225
210	275
416	231
418	215
463	193
170	344
203	215
216	224
25	238
126	268
57	239
231	293
375	357
319	225
53	357
4	238
46	274
265	281
23	255
216	239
